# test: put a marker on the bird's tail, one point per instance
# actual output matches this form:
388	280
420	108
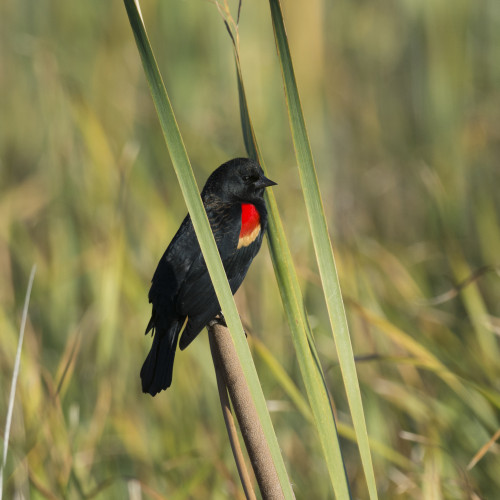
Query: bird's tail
156	372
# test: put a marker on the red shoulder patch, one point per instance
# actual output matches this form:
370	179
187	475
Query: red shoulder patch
250	224
250	218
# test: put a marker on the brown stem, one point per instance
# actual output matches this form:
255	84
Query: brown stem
246	414
230	426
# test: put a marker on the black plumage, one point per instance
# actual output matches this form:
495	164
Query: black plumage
181	287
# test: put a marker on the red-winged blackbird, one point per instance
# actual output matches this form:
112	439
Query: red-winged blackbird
181	286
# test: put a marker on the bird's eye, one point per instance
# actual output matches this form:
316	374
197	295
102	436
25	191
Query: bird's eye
250	178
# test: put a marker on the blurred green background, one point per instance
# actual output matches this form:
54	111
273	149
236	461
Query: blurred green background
402	103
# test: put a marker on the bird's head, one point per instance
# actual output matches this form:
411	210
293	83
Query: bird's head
240	179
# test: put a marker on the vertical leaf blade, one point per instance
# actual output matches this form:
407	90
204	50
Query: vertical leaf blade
322	245
293	303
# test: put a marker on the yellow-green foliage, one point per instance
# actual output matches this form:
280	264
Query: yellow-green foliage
402	104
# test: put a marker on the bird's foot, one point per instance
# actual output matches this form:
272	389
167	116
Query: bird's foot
220	320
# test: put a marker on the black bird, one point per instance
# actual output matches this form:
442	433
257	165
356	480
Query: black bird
181	286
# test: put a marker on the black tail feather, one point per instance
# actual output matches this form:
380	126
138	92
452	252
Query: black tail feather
156	372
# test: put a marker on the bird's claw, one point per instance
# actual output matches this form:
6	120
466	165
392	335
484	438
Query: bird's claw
220	320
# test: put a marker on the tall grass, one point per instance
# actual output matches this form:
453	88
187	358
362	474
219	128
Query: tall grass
15	375
402	105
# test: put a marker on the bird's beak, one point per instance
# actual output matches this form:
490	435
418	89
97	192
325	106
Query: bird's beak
264	182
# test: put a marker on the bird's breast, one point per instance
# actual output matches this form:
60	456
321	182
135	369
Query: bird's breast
250	225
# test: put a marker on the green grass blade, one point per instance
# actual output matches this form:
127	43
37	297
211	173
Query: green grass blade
205	237
300	403
429	361
291	296
475	307
15	374
322	246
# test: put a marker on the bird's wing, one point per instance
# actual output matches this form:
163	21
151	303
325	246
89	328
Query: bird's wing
156	372
198	299
169	275
175	262
196	291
